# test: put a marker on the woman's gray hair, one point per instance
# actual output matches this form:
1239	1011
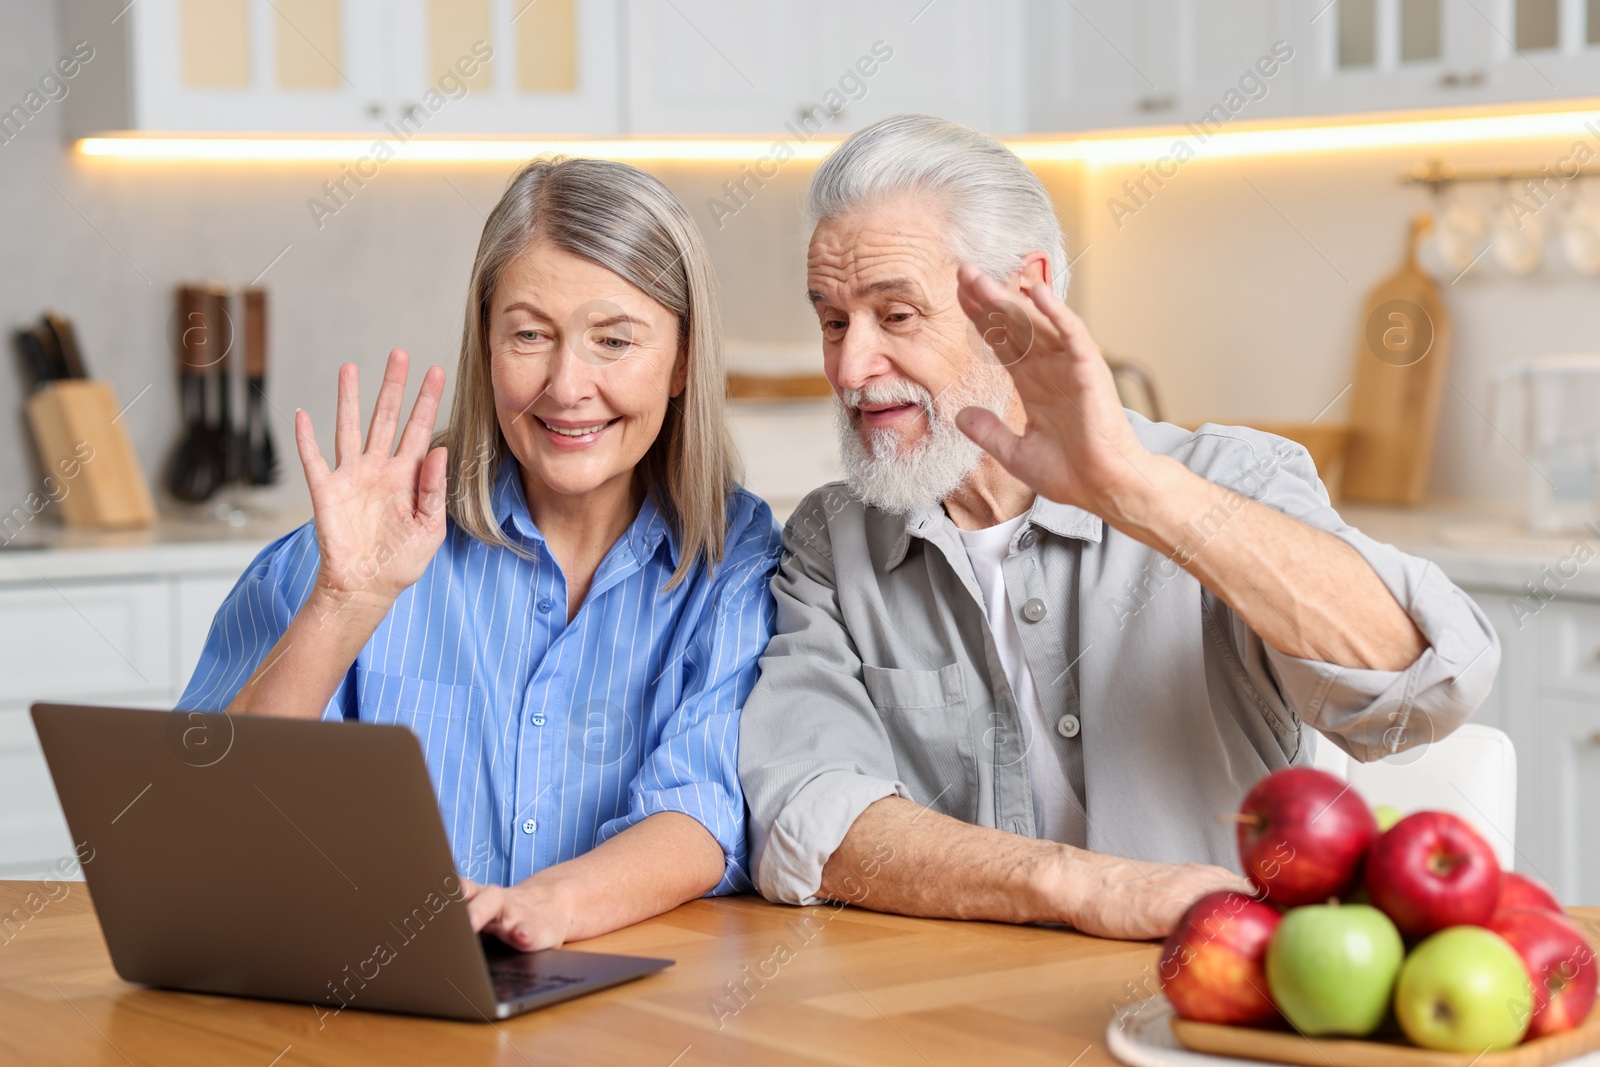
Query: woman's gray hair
997	208
620	218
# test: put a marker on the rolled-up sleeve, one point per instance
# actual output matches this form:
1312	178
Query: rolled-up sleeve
694	767
1368	713
813	753
250	621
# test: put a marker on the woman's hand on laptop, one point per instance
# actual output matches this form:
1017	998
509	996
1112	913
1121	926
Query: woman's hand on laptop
380	513
531	915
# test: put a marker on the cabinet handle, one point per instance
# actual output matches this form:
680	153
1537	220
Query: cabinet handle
1452	80
1594	738
1157	103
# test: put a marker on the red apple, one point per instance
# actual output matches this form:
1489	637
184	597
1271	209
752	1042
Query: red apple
1212	965
1520	891
1433	870
1302	836
1560	963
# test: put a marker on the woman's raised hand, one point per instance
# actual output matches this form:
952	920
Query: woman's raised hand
380	517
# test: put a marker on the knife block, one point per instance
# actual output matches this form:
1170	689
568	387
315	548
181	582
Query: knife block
87	456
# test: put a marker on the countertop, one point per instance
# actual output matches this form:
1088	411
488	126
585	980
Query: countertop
848	986
174	545
1476	544
1485	546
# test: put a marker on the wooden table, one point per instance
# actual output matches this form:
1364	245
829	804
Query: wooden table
850	987
755	983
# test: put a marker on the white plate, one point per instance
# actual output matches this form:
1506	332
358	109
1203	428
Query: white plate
1140	1035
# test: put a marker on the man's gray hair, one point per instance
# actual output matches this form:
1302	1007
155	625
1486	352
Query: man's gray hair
997	208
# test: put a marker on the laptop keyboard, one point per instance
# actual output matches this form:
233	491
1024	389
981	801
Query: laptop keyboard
516	984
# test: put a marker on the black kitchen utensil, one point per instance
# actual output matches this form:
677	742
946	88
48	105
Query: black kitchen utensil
51	349
195	471
58	328
260	460
34	356
228	443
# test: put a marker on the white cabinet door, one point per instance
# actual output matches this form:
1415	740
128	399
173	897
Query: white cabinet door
1391	54
1099	63
268	65
33	833
1569	768
524	67
85	640
957	59
715	66
1245	57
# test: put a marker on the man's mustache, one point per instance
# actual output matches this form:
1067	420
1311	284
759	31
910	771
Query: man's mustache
888	393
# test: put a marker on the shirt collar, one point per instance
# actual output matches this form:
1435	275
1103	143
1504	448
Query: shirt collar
645	534
1063	520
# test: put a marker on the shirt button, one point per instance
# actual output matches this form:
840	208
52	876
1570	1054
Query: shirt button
1067	725
1033	610
536	719
1028	538
545	605
529	826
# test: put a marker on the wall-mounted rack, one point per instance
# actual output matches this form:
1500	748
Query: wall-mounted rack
1436	173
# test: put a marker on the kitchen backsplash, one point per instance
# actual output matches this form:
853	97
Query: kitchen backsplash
1239	283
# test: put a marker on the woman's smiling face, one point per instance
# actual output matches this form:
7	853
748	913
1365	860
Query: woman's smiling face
583	365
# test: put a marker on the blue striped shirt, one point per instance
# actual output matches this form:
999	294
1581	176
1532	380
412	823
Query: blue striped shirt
544	737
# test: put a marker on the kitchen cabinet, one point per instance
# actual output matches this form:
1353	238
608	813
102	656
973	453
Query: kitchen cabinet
1547	698
228	65
310	66
553	66
107	619
823	68
1399	54
1106	63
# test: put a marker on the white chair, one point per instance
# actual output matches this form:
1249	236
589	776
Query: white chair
1472	773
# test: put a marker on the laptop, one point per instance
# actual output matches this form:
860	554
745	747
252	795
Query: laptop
288	860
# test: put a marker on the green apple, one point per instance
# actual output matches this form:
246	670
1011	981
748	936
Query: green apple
1331	968
1387	816
1464	989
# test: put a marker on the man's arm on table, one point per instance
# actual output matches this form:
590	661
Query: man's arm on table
927	864
831	820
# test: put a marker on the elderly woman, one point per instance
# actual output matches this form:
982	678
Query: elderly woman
565	596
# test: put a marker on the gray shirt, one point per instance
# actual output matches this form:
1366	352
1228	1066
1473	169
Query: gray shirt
883	679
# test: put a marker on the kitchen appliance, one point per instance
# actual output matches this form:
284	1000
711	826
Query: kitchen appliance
1401	360
1550	406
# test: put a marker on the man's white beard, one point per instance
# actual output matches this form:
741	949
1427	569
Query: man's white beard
930	470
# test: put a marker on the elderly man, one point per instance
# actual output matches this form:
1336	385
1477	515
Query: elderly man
1037	644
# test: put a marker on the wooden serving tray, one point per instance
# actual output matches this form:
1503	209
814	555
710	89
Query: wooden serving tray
1278	1046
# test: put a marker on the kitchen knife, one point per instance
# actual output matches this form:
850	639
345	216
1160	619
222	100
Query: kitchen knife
52	352
66	343
33	355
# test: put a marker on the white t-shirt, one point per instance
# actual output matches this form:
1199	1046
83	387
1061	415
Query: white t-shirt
1057	815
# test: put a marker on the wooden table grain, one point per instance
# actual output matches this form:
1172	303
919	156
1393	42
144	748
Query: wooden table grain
754	983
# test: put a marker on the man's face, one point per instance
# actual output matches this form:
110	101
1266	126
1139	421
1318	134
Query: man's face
883	283
900	353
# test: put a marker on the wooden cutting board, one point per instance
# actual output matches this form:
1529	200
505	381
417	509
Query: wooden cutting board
1278	1046
1401	360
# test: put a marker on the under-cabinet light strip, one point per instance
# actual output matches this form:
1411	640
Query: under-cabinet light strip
1193	139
